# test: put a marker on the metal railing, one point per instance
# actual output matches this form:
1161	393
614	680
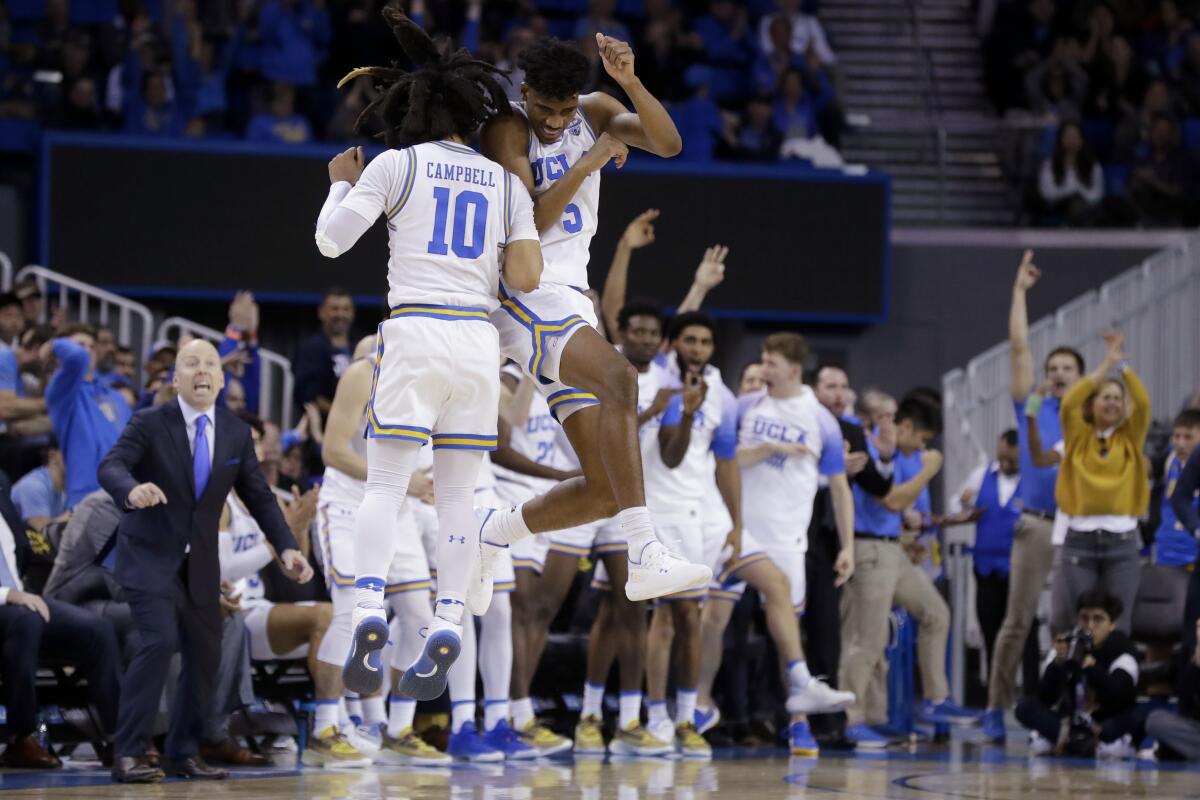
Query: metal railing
6	272
1155	304
132	322
276	382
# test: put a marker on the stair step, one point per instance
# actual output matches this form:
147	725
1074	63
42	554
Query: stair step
902	186
891	29
831	15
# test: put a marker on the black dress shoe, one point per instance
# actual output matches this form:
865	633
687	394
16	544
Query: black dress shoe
196	769
28	753
129	769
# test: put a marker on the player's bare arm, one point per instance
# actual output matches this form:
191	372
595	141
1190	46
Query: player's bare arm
345	420
505	140
648	127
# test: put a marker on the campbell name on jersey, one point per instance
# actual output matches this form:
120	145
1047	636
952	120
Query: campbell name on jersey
565	245
778	492
449	212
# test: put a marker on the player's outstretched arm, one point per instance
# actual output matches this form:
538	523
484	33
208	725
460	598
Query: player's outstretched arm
1018	329
638	233
650	127
356	198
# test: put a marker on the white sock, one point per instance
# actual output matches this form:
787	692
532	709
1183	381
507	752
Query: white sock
631	709
496	648
522	712
400	715
685	706
461	679
461	712
494	711
353	708
593	701
638	530
391	465
326	715
507	526
798	674
343	715
372	711
454	478
656	712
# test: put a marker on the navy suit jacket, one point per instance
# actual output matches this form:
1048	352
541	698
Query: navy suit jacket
152	543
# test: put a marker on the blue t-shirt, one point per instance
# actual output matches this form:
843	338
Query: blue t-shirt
10	372
1174	546
994	530
1037	483
870	514
35	496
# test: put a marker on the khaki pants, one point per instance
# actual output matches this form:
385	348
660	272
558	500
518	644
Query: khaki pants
884	577
1032	558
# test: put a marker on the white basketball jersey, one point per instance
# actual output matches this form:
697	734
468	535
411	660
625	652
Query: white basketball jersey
246	536
449	212
337	486
565	244
537	440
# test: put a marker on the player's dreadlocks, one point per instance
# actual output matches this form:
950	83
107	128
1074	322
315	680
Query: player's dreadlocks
554	68
445	94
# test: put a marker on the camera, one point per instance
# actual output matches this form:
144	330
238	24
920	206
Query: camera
1079	645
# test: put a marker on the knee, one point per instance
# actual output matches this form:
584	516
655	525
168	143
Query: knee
322	618
618	382
500	612
26	629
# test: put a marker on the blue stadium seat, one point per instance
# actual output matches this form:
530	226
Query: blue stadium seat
1191	134
1116	177
25	9
1099	134
1049	135
93	12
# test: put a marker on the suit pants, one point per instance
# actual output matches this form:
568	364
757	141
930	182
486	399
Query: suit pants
168	621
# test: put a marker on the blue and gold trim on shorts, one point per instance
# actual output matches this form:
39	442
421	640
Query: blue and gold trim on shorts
539	329
727	574
431	311
569	549
335	579
504	587
569	397
724	594
611	547
464	441
531	564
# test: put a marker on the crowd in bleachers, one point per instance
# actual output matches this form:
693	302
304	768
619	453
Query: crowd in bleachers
750	81
1082	492
1115	87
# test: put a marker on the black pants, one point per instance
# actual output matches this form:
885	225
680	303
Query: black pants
168	622
1047	721
991	600
1191	612
822	621
74	634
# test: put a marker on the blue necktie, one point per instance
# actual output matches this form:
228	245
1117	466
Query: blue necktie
201	468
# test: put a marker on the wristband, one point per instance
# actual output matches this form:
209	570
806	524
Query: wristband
1033	404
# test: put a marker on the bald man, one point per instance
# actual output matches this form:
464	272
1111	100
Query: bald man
170	472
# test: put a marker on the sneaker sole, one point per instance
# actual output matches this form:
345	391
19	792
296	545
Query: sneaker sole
812	752
562	747
958	722
426	679
482	758
871	745
799	708
310	758
696	755
640	752
369	640
711	723
644	590
401	760
522	755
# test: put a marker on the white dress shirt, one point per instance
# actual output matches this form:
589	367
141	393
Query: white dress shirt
9	547
190	415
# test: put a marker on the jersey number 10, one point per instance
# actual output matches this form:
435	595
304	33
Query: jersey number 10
468	205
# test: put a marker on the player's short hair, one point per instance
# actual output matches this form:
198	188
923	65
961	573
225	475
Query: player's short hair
335	291
1098	598
639	308
791	346
1009	437
1188	418
554	68
73	328
926	393
1065	351
688	319
446	94
255	422
923	415
122	350
9	299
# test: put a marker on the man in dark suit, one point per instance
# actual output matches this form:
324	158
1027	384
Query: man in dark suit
32	626
171	471
828	565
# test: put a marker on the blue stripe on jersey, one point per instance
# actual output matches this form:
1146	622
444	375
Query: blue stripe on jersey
583	115
507	205
406	185
457	148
